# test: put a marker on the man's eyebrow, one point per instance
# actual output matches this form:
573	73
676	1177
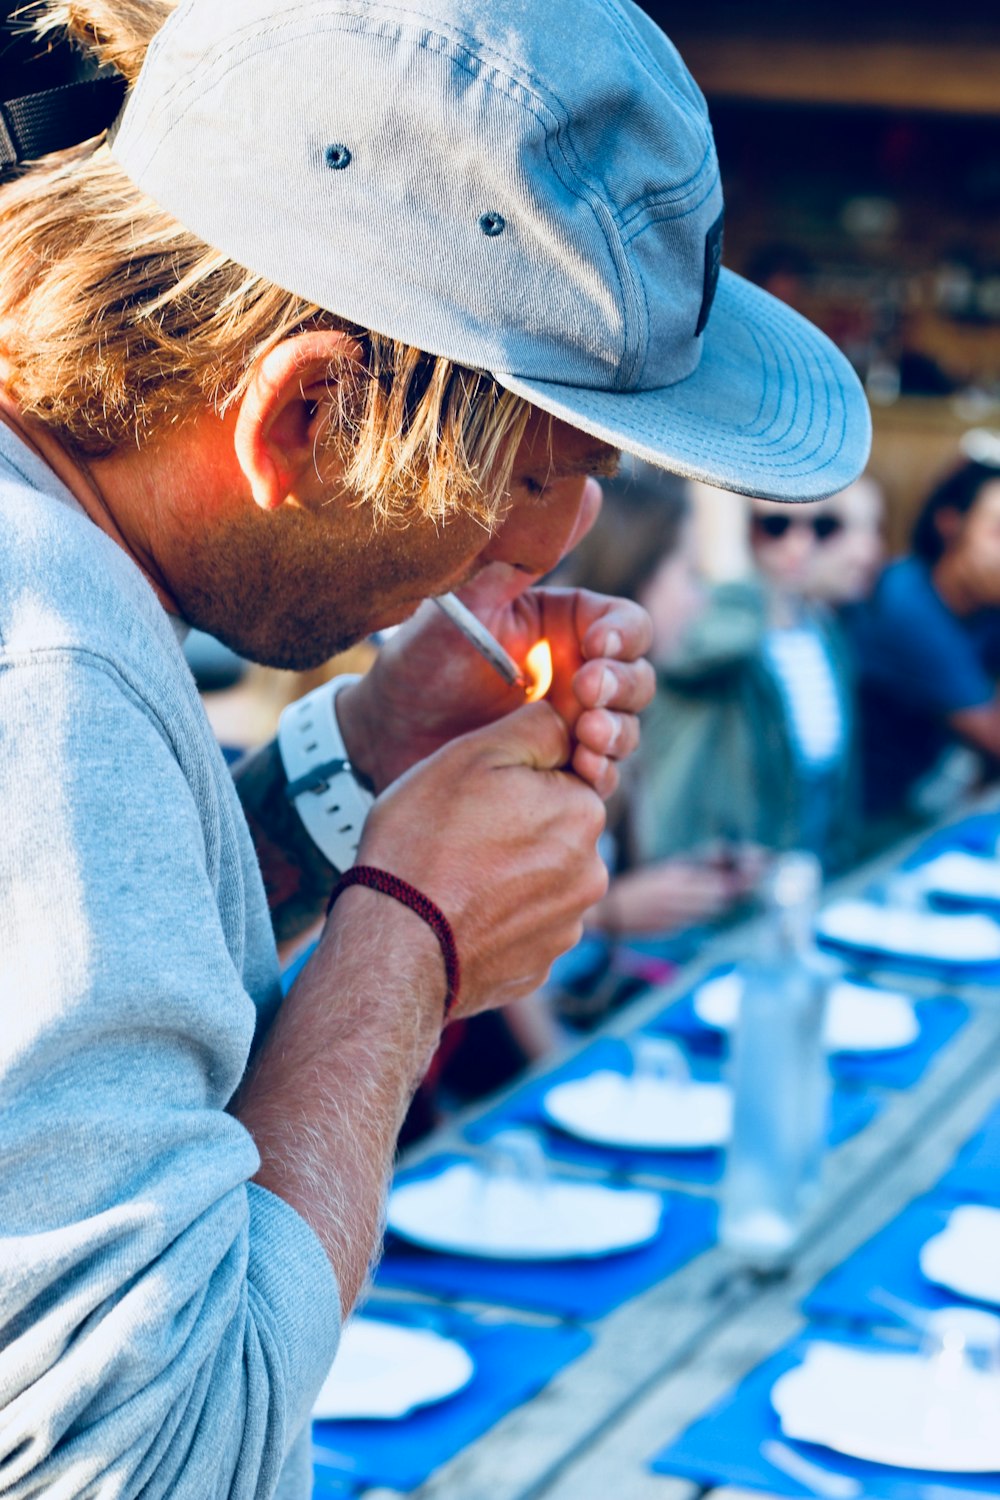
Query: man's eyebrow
604	463
601	462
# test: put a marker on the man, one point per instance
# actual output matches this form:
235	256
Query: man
281	364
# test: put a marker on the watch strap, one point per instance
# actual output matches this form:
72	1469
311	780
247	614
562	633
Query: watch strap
330	801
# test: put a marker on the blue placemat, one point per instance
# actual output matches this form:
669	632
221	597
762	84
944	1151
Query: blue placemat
723	1447
976	834
850	1112
888	1262
328	1484
940	1017
512	1363
585	1288
976	1171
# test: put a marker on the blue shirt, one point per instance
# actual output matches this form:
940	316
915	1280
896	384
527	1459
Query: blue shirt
918	663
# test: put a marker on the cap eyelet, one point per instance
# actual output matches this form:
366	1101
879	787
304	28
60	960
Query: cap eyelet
338	157
492	224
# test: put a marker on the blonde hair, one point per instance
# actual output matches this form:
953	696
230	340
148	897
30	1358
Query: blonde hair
116	321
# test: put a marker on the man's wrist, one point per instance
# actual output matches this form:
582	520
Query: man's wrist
373	877
377	748
358	733
403	968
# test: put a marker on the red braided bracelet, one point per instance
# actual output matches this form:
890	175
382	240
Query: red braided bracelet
391	885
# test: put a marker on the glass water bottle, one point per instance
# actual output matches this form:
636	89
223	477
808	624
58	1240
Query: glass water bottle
779	1074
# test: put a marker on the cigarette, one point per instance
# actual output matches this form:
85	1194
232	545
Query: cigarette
478	636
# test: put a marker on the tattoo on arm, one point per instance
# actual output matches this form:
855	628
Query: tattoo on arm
297	877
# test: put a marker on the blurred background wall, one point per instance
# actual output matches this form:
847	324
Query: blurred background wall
860	153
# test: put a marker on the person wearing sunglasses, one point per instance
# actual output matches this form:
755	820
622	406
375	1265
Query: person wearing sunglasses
844	570
750	737
774	527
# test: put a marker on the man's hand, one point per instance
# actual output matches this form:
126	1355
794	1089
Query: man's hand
669	896
505	842
430	686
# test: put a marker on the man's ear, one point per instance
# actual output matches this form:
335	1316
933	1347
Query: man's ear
285	405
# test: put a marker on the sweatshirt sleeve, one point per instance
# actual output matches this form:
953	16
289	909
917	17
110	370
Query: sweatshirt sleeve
164	1322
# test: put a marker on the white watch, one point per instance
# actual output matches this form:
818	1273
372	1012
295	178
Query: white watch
322	786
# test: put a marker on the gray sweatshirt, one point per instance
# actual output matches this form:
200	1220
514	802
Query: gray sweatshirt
164	1322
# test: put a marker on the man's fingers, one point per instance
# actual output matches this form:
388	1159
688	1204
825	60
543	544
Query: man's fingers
535	736
532	736
623	686
597	771
618	628
615	736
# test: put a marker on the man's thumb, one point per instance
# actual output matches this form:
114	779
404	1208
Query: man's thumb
532	736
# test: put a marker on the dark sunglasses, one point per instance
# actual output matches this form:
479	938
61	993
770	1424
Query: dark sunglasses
773	527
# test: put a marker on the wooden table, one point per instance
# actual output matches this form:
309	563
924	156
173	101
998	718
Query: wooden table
661	1359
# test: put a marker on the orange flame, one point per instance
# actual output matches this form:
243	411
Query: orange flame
538	669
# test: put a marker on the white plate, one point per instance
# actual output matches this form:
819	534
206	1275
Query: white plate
960	938
858	1017
384	1370
646	1114
965	1256
465	1211
963	877
889	1408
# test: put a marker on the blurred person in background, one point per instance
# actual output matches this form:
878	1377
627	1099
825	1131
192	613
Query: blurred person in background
842	573
928	652
749	739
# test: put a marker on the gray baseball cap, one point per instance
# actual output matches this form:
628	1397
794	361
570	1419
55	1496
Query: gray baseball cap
528	187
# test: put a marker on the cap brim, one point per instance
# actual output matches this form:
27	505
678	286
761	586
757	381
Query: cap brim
773	409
